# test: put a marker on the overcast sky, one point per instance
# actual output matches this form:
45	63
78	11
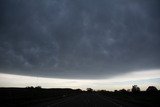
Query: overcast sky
80	39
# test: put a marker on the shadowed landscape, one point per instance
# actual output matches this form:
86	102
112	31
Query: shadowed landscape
79	53
39	97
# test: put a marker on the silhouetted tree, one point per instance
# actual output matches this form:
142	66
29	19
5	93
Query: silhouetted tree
151	89
123	90
89	89
115	90
38	87
79	90
135	88
101	91
30	87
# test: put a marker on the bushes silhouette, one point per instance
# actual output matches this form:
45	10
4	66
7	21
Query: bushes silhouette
151	89
135	88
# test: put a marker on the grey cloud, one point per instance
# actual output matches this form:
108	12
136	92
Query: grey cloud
79	38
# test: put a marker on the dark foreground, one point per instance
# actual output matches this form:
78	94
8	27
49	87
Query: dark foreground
14	97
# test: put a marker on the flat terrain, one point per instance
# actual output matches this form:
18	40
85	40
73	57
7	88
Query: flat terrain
86	100
14	97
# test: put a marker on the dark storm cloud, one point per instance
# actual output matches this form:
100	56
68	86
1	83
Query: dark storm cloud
79	38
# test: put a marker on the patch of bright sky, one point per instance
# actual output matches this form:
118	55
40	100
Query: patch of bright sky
141	78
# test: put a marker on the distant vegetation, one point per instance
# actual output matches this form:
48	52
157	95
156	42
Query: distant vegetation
135	89
152	89
27	96
31	87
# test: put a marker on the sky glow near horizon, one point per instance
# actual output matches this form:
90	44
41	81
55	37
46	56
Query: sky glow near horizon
141	78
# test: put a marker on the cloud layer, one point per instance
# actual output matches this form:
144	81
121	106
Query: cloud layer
142	79
80	38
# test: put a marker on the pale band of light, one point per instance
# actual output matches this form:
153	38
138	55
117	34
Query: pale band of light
117	82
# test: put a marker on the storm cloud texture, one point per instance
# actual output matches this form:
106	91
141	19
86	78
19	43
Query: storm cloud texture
81	39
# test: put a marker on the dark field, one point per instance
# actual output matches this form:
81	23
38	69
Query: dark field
23	97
